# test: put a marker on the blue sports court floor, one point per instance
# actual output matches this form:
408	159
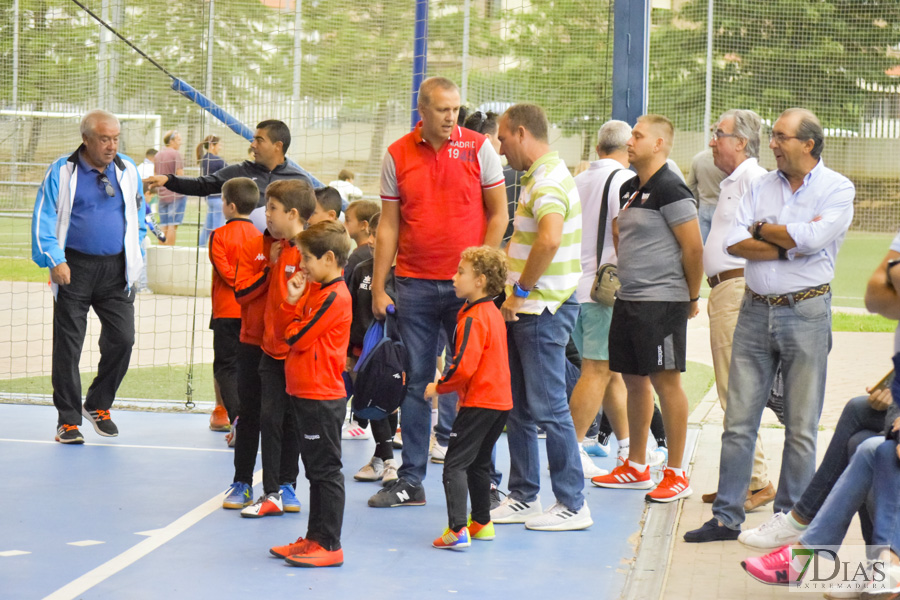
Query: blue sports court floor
139	516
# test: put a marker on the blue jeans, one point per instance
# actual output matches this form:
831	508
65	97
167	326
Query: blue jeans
848	495
800	336
705	215
214	218
424	306
537	366
858	422
886	492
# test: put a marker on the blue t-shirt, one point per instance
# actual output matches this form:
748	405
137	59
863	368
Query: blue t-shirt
97	224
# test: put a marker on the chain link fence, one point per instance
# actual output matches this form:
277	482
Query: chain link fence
339	72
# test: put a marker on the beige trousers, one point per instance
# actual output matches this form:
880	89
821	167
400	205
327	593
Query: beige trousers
723	307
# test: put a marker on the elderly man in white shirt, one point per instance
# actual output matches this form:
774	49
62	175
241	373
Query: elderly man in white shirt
735	151
789	227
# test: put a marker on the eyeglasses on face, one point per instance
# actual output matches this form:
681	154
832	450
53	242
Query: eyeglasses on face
780	138
718	134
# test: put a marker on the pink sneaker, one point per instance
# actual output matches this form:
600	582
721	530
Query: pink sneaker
775	568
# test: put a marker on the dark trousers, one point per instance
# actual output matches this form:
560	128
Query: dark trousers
226	339
98	282
247	428
467	467
280	448
319	424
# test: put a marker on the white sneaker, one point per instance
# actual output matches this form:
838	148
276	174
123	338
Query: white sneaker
657	457
352	431
560	518
390	471
515	511
373	471
588	466
438	453
774	533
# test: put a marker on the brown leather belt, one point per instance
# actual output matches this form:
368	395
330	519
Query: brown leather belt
724	276
785	299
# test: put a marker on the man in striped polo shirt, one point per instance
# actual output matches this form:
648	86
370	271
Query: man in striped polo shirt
540	310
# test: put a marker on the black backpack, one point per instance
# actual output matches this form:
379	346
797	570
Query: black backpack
381	372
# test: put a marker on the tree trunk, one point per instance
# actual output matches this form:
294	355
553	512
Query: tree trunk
376	145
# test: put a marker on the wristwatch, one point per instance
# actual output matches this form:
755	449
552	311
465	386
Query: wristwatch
891	264
757	230
519	291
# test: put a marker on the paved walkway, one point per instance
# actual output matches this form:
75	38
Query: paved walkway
713	570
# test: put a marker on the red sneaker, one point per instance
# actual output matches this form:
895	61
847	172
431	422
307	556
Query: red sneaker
671	488
315	555
625	477
218	420
297	547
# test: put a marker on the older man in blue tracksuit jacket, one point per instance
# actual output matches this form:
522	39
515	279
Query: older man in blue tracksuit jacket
87	229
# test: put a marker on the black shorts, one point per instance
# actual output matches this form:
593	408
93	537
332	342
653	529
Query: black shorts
647	337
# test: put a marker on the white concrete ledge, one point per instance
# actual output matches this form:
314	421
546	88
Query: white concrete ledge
174	270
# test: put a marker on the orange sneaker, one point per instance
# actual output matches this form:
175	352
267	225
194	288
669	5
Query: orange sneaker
315	555
671	488
218	421
625	477
297	547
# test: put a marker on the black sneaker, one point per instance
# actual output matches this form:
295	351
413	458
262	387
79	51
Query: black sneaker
103	424
69	434
399	493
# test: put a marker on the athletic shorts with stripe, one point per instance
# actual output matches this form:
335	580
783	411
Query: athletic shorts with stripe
646	337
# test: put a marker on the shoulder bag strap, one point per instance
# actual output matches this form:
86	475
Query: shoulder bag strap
604	212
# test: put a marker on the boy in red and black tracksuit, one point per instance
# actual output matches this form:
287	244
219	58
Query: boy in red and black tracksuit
288	206
479	373
315	320
250	287
239	196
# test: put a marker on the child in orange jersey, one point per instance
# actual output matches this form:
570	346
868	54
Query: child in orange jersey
289	203
315	318
239	197
479	373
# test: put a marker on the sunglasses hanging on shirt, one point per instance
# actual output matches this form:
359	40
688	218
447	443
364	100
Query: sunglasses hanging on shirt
109	188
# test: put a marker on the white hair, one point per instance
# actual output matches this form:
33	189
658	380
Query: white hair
90	120
613	137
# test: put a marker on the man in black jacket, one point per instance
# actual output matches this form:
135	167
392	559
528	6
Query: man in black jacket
270	143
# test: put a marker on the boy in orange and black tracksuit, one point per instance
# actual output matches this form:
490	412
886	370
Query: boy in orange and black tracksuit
240	196
315	320
289	203
479	374
250	287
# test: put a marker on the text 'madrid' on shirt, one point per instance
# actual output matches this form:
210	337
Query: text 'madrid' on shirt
440	194
547	188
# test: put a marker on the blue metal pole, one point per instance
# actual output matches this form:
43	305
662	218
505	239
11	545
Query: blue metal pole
631	49
420	57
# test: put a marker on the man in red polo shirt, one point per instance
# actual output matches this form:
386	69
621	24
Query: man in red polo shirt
442	190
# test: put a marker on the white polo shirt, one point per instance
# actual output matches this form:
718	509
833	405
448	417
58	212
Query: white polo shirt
715	258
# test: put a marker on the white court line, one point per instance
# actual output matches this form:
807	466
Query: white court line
145	447
79	586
